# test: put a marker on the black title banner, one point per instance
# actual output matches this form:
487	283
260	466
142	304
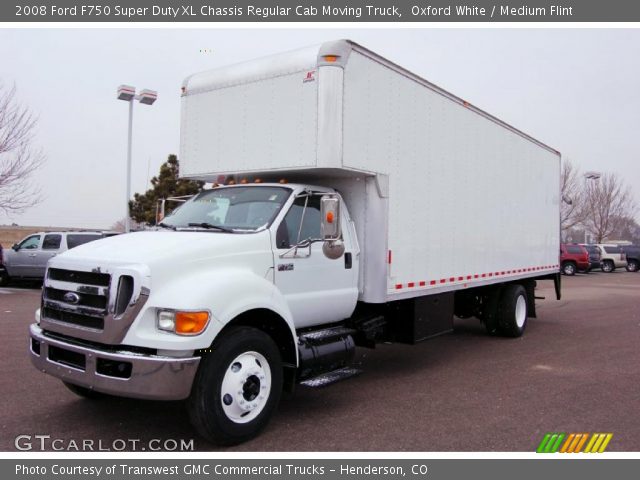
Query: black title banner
320	11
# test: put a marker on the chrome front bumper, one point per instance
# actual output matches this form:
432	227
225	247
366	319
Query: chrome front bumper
150	377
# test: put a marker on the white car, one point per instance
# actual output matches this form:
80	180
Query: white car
611	257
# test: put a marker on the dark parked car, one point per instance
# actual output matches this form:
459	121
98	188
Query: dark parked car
633	257
573	258
594	255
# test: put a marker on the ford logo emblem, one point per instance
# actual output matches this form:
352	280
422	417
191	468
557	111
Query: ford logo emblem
71	297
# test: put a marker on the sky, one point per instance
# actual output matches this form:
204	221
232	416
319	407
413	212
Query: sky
575	89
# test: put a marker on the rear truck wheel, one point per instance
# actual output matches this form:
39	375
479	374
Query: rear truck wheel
84	392
513	311
607	266
569	268
633	266
237	387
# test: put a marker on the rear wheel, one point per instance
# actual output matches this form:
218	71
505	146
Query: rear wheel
607	266
237	387
513	311
633	266
4	279
569	268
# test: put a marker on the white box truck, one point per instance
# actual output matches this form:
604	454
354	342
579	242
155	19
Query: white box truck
351	202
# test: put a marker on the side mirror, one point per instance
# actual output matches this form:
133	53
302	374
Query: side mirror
330	214
330	228
15	246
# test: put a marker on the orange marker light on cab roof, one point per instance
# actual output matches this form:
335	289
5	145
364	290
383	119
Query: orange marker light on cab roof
330	58
257	180
283	180
243	181
191	323
231	182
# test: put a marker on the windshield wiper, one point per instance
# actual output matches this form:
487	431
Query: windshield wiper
166	225
211	226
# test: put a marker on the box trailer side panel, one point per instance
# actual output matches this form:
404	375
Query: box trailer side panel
470	201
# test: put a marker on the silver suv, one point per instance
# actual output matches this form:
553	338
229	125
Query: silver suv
28	258
611	257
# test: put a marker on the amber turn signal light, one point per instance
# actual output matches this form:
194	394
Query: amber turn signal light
191	323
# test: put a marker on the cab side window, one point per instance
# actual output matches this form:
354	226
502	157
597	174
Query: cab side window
287	235
51	242
30	243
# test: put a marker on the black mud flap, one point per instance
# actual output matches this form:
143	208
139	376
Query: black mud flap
557	281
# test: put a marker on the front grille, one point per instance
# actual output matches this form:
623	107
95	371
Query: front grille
76	298
92	306
78	319
85	299
88	278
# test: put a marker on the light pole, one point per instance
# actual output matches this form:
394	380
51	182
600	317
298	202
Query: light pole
146	97
591	175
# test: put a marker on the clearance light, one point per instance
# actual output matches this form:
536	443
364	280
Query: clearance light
231	182
243	181
257	180
283	180
330	58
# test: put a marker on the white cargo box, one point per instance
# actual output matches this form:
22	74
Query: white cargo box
444	196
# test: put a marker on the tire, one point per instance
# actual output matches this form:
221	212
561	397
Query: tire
513	311
5	279
607	266
85	392
228	404
633	266
569	268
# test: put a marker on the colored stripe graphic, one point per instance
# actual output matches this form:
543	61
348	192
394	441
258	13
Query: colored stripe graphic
573	442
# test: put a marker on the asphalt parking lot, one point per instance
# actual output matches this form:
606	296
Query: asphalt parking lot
576	369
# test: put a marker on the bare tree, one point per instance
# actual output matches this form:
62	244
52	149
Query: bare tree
19	159
608	202
572	210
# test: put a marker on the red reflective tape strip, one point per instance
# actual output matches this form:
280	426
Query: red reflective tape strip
452	279
443	280
422	283
460	278
411	285
398	286
468	277
389	259
432	282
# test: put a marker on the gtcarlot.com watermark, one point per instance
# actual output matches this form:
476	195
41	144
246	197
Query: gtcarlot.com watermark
43	443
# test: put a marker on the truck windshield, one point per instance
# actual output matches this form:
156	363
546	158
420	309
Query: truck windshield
231	208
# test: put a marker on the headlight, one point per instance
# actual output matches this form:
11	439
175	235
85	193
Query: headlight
182	323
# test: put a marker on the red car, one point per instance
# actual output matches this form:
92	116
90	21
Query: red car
573	258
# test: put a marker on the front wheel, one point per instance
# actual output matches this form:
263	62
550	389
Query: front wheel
4	279
237	387
513	311
633	266
607	266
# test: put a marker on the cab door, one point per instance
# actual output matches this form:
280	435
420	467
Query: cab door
20	262
317	289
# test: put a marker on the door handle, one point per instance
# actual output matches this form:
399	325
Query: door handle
348	261
32	254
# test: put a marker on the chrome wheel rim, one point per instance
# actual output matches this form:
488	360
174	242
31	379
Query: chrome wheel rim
246	387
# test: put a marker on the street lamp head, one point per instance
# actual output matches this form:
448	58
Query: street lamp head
148	96
126	92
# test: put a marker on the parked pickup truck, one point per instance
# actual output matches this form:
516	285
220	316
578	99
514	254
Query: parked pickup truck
27	259
353	202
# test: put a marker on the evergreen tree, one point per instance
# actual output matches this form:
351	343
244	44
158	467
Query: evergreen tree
167	184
